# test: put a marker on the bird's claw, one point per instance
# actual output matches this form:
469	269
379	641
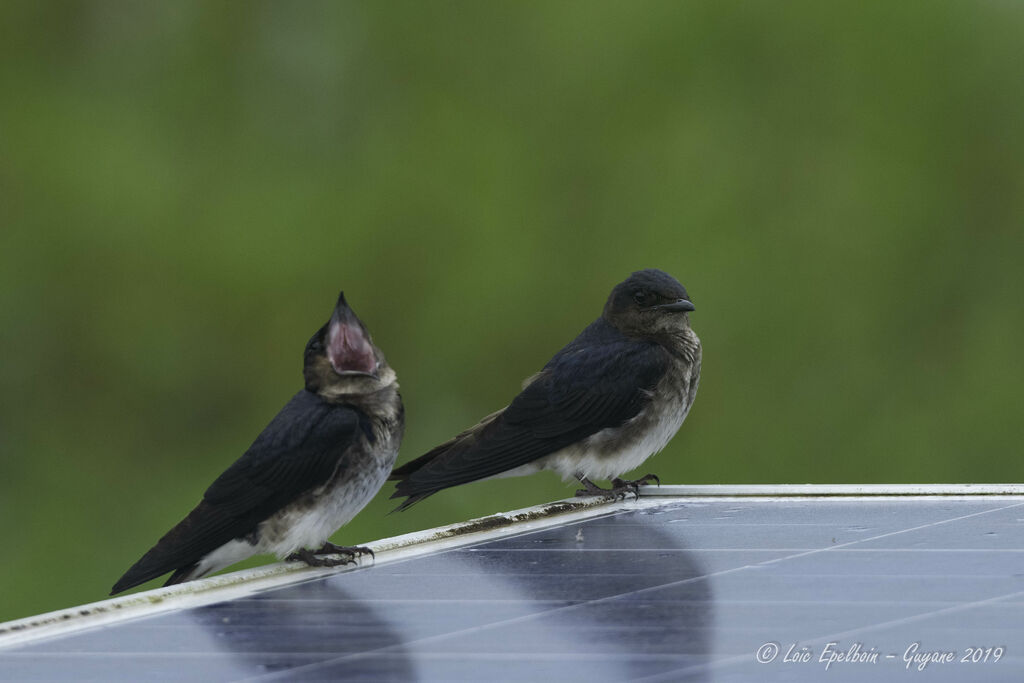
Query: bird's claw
647	479
633	486
344	555
352	550
591	489
621	488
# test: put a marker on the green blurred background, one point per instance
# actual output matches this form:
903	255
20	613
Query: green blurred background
185	186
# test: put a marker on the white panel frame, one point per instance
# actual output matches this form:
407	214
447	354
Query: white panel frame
244	583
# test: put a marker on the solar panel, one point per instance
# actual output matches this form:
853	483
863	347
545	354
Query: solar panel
697	583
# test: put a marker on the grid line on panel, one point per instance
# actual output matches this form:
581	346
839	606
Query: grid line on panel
618	596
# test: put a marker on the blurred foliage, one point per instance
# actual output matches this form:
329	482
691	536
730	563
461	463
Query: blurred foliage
185	186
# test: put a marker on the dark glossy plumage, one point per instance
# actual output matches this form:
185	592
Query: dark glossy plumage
299	450
600	381
316	464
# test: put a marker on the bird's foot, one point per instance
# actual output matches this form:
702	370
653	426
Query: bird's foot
592	489
620	489
354	550
343	555
624	487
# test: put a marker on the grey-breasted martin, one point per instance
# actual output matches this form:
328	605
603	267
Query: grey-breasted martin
606	402
318	462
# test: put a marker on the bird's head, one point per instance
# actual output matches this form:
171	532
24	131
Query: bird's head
649	302
341	359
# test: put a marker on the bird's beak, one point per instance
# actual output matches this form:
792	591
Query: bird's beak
678	306
348	344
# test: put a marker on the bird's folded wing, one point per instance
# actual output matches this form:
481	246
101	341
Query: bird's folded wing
578	394
299	450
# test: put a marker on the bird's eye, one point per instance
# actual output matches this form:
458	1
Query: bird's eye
640	297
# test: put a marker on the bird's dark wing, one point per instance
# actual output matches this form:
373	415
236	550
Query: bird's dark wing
299	450
584	389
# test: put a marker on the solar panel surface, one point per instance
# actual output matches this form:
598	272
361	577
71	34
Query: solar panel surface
667	588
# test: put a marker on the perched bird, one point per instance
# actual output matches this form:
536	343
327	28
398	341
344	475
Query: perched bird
317	463
606	402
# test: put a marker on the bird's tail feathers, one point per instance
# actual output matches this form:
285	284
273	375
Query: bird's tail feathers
461	439
411	467
141	572
410	501
184	574
177	550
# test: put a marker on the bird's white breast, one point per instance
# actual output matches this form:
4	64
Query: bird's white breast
307	523
336	503
614	451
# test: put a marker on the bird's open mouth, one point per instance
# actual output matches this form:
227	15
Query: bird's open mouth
349	349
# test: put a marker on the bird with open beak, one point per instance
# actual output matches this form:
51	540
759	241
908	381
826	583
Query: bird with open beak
316	465
602	405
